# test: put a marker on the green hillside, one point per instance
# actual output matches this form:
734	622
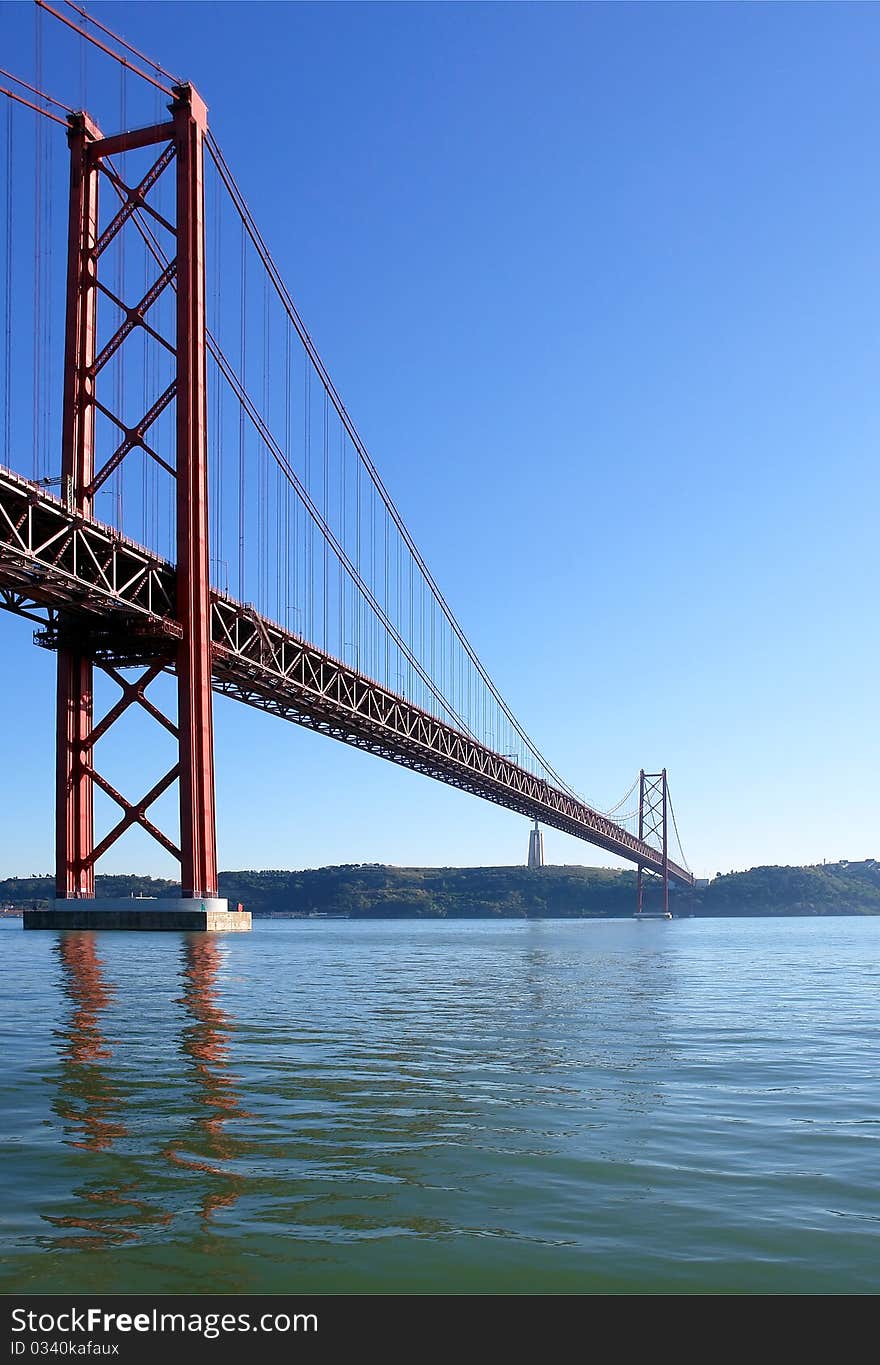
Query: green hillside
369	890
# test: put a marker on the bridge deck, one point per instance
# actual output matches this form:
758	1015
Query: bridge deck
54	566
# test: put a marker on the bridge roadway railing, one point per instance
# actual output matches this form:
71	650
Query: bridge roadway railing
67	572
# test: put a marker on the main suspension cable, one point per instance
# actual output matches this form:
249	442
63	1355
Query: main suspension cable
141	56
90	38
627	794
20	99
294	316
249	408
35	90
677	835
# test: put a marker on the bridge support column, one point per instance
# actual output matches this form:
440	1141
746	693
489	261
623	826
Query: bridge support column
83	646
198	839
653	810
74	814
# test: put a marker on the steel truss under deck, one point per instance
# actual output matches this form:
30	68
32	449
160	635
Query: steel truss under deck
70	573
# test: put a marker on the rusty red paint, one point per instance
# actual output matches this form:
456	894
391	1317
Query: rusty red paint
195	709
77	734
74	814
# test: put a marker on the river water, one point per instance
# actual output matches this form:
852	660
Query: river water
514	1107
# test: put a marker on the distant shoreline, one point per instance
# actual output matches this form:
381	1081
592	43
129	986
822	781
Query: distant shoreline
377	891
487	916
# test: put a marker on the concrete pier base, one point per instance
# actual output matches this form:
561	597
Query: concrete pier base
208	915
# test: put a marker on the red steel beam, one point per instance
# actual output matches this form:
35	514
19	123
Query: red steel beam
140	137
74	798
198	838
76	852
77	736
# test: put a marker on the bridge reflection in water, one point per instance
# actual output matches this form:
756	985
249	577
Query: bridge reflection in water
205	1043
106	1109
344	1106
88	1100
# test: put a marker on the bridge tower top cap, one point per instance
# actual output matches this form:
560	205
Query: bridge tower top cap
80	123
187	97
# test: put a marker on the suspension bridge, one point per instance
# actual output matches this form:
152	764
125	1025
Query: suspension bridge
183	492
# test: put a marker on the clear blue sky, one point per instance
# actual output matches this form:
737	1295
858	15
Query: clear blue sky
600	286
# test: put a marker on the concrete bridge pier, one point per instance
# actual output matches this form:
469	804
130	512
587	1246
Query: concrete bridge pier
209	913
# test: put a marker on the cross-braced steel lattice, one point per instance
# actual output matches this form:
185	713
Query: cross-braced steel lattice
653	808
87	393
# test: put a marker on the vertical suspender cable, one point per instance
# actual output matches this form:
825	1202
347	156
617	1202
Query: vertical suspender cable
10	237
325	512
343	479
48	396
263	469
38	251
310	545
340	572
83	55
386	603
358	601
285	492
242	558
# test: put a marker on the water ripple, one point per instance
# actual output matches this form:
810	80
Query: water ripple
471	1106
